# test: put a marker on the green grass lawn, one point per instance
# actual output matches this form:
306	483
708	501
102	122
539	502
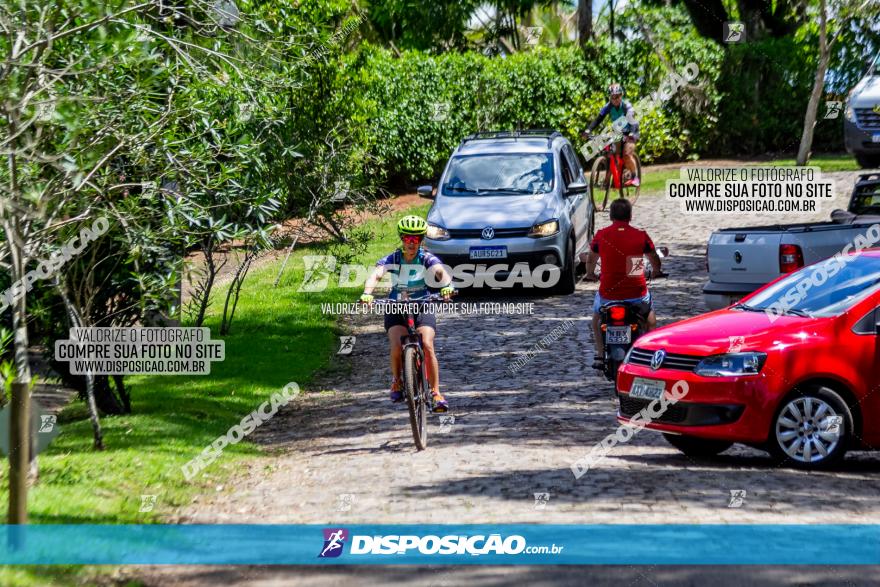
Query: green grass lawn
826	161
654	181
278	335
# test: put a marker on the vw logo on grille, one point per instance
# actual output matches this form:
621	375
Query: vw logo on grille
488	233
738	257
657	359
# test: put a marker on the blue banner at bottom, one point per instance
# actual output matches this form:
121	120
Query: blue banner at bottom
502	544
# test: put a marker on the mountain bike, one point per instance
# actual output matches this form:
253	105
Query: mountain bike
415	375
609	172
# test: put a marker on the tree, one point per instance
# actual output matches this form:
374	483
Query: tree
585	21
92	84
818	84
46	160
845	11
778	18
440	24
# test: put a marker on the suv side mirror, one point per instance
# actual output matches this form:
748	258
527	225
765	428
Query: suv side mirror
426	191
576	187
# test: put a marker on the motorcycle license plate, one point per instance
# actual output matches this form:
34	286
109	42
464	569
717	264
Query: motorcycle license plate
647	388
618	335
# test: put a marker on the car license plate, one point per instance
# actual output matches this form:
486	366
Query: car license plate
618	335
876	138
488	252
647	388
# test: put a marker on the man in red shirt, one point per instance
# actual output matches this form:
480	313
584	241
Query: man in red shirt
622	249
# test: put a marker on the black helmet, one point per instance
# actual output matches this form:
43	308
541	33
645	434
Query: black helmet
615	89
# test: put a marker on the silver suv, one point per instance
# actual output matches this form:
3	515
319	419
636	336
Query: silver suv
861	125
510	198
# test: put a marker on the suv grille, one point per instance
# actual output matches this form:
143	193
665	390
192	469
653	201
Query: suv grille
478	232
671	361
867	118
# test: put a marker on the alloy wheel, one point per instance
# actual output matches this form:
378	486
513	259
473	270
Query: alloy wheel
808	429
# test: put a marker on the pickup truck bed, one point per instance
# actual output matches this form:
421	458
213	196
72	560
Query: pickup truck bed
743	259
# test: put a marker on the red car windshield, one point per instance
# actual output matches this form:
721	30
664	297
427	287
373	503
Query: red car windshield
805	293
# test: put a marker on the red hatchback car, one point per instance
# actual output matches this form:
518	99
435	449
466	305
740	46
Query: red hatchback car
794	369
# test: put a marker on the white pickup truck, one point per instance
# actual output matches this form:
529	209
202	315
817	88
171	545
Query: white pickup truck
740	260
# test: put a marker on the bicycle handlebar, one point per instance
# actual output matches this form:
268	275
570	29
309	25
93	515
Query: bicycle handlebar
424	300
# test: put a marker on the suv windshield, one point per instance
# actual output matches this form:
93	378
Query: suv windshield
856	280
513	173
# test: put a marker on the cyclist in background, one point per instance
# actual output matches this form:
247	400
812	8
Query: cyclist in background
617	108
408	265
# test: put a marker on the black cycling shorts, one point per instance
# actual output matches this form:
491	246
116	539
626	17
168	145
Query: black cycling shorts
423	318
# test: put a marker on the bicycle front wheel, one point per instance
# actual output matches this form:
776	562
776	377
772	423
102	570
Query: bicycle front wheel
415	397
600	183
631	192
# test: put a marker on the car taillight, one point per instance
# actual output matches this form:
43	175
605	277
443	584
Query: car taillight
617	314
790	258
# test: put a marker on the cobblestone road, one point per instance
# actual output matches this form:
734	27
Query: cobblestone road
347	455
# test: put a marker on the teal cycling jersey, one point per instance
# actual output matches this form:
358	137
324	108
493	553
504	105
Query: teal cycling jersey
409	276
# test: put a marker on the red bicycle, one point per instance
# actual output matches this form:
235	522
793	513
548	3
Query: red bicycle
416	389
609	172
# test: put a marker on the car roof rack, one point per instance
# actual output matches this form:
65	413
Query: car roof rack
529	133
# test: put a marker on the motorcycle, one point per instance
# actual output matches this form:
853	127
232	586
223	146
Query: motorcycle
622	323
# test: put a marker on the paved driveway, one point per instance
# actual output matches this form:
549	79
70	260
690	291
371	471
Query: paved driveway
346	454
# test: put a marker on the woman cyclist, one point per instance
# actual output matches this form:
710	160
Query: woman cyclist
408	265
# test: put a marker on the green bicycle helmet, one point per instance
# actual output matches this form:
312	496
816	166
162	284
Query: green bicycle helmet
412	225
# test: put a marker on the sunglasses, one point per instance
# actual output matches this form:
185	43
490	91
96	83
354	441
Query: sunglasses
411	238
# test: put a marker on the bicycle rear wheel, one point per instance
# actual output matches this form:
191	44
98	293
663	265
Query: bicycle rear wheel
600	182
631	192
415	397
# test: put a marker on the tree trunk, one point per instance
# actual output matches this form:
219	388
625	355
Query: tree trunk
818	84
234	290
211	269
708	17
19	452
785	20
102	394
20	419
97	434
611	16
750	13
122	392
584	21
75	319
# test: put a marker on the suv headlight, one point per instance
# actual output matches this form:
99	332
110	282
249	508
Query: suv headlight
543	229
731	365
849	113
437	233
